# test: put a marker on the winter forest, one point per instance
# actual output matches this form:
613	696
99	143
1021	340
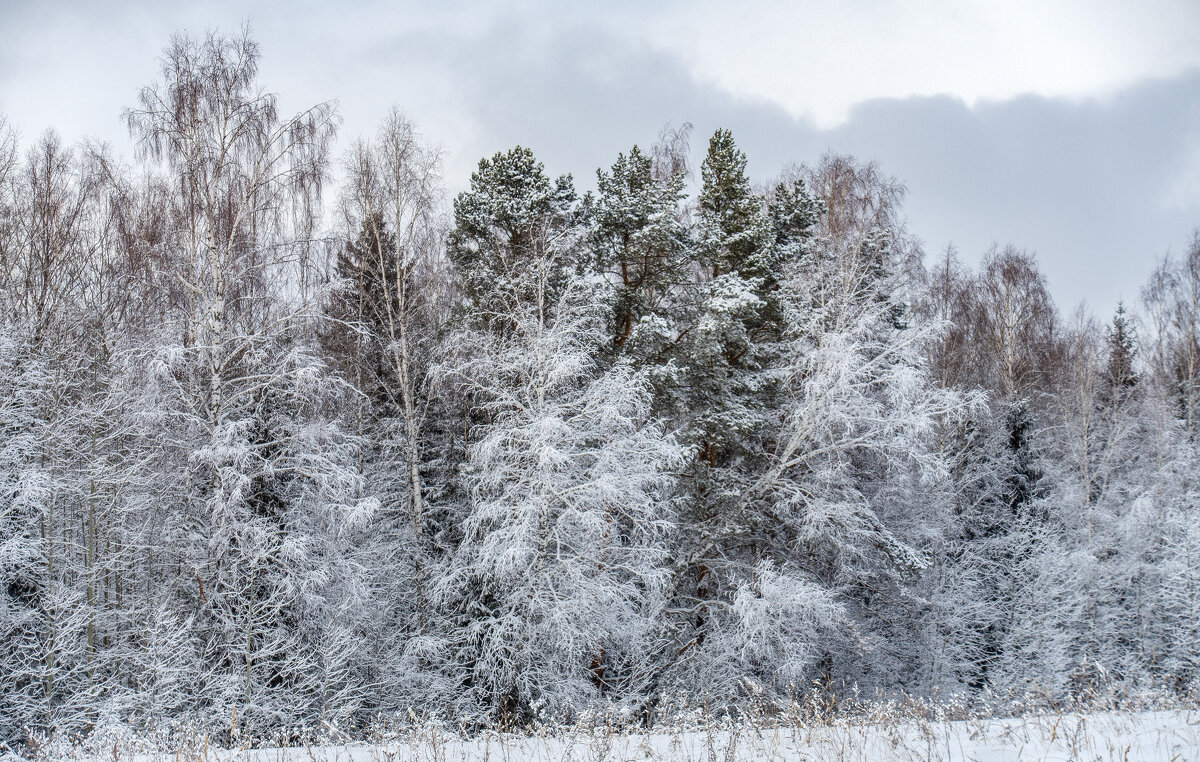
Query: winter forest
291	436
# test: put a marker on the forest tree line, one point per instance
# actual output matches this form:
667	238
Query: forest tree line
534	451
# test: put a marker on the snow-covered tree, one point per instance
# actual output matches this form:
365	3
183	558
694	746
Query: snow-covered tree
390	316
641	241
719	388
501	225
560	576
22	569
264	471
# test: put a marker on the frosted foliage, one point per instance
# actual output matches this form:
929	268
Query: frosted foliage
272	475
767	641
563	557
22	383
858	394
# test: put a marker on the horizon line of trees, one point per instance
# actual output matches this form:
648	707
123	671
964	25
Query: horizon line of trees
544	452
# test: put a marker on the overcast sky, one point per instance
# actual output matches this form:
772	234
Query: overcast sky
1071	129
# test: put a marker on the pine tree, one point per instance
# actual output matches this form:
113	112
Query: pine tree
502	227
641	242
731	360
734	234
729	330
356	337
1121	377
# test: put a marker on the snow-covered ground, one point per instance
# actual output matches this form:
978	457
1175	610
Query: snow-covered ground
1157	736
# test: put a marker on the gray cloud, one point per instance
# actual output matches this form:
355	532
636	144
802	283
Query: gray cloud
1098	188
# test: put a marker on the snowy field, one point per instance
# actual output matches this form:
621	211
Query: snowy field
1154	736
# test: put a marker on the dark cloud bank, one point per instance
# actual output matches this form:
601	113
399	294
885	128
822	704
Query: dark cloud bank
1098	188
